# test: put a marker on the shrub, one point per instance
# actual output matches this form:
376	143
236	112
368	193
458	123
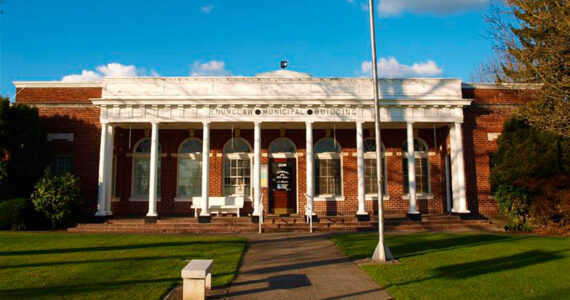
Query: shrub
514	202
57	197
531	169
13	213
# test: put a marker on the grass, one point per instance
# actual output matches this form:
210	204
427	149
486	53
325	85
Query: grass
107	266
467	266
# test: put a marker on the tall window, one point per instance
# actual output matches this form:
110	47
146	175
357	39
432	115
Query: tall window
237	168
141	168
328	167
421	152
61	164
371	187
190	168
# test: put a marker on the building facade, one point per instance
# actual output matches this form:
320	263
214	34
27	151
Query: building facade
275	142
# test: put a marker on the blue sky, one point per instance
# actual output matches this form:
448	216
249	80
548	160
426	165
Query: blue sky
49	40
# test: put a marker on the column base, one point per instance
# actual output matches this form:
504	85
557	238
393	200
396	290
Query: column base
315	219
150	219
415	216
466	214
102	218
204	219
363	217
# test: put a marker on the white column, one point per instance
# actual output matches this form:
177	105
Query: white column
411	170
102	180
152	189
205	211
453	157
310	162
256	168
109	169
460	169
360	169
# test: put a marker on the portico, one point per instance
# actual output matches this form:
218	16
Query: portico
283	141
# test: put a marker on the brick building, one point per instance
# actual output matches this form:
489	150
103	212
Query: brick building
153	146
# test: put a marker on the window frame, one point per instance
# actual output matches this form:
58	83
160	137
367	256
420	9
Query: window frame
194	156
328	156
421	155
369	155
237	156
53	169
141	155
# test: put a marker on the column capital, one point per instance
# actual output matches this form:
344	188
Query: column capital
208	122
310	122
154	122
257	122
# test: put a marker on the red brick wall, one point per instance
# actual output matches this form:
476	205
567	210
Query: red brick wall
487	114
491	108
57	95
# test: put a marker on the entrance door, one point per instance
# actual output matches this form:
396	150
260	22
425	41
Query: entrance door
283	186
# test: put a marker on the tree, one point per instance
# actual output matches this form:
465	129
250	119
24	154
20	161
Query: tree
530	173
23	153
532	43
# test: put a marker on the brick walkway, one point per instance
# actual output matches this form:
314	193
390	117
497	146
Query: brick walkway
296	266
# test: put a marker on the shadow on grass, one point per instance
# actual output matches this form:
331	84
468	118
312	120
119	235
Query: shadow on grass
403	246
73	290
423	246
111	248
493	265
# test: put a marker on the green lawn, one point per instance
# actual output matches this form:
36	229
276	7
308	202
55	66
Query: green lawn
468	266
107	266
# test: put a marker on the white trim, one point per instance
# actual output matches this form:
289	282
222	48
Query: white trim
329	198
374	197
328	155
194	199
418	196
141	199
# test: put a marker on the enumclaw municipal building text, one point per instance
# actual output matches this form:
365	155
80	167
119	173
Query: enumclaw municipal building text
179	146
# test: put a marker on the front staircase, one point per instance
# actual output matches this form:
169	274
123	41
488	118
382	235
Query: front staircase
173	225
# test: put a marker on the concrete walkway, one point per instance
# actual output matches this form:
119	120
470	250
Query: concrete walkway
300	266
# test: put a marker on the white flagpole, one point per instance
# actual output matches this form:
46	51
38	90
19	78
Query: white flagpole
382	253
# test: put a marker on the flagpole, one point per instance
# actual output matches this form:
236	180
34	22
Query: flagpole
382	253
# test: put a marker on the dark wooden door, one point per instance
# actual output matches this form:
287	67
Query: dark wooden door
283	181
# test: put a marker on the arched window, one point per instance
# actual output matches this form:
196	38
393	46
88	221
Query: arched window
141	168
371	187
190	168
237	168
421	156
328	167
282	145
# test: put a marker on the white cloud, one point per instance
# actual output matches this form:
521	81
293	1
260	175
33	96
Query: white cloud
207	8
110	70
437	7
391	68
363	4
211	68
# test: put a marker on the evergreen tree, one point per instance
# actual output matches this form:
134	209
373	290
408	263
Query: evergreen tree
532	40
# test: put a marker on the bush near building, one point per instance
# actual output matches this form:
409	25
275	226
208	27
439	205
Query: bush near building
530	173
58	198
